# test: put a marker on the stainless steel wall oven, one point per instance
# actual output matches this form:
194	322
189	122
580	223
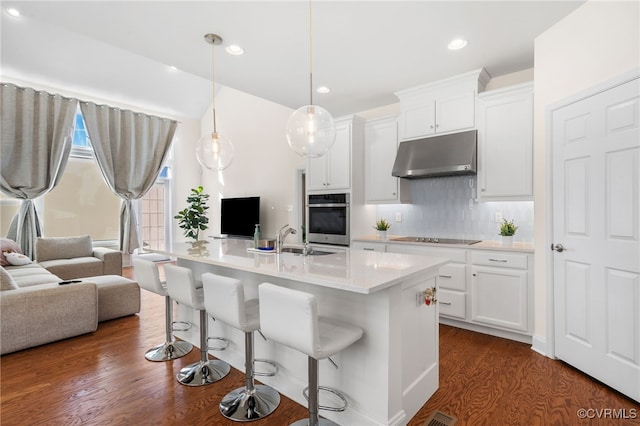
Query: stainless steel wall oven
328	216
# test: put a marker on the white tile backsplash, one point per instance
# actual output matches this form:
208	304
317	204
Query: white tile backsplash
445	207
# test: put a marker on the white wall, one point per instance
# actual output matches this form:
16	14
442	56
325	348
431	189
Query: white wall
263	164
597	42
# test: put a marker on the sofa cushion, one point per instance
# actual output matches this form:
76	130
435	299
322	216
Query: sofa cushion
74	268
31	274
63	247
7	245
6	280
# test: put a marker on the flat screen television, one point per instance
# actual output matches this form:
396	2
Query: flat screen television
238	216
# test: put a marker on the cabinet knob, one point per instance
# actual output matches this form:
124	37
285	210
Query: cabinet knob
393	193
431	127
437	125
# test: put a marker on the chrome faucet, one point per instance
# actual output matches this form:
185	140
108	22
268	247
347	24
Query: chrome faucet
282	234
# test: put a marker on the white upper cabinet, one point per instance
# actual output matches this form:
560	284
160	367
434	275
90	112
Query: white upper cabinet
380	149
444	106
505	144
333	170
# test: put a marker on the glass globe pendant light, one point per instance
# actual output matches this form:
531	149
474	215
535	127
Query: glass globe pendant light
311	130
214	151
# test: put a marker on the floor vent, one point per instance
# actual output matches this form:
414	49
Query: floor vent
438	418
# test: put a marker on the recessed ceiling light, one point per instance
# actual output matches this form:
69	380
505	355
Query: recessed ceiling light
457	43
13	12
234	49
323	89
172	68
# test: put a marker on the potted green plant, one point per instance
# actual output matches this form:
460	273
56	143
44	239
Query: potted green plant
507	231
193	219
382	226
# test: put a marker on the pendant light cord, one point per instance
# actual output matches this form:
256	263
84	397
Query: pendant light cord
310	57
213	83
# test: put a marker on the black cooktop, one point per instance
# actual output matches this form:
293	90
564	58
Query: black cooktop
435	240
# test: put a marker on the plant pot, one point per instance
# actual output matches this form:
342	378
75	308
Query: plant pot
506	240
382	235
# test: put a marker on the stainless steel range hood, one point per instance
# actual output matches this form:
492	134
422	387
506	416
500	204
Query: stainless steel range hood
447	155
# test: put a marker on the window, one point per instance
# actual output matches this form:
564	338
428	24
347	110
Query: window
82	203
154	218
81	146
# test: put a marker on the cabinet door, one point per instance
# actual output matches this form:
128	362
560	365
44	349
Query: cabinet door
381	145
499	297
317	173
505	145
455	112
339	159
418	120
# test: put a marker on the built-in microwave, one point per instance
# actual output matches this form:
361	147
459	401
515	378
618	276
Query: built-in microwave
328	219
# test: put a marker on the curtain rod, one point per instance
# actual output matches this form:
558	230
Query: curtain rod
87	102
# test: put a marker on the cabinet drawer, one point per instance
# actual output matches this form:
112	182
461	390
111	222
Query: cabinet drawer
452	303
358	245
453	276
499	259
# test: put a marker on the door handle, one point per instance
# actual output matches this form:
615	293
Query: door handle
558	247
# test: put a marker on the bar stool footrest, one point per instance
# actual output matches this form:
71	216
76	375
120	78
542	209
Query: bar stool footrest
222	347
184	326
305	393
271	373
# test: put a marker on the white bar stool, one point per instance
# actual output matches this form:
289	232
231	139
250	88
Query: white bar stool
149	279
224	300
183	289
290	317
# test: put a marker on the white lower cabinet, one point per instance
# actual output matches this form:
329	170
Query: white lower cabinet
500	290
499	297
483	290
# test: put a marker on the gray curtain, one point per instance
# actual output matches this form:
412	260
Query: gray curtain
130	149
37	133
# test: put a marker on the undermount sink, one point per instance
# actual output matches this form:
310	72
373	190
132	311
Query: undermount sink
299	250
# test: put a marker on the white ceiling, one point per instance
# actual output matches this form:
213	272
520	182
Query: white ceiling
362	50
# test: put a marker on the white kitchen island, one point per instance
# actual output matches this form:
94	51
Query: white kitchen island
388	374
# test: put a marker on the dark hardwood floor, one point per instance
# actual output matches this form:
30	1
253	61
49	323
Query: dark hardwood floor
103	379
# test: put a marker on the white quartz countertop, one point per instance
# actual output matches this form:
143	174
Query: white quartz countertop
356	271
526	247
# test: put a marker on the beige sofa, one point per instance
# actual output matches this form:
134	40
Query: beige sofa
35	309
72	257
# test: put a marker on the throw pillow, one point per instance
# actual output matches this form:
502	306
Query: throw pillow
6	281
16	259
7	245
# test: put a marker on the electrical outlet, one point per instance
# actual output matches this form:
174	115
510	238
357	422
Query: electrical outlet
398	216
420	298
497	216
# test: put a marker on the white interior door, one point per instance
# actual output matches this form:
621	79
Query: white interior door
596	226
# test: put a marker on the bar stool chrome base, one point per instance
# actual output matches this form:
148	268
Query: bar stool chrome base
243	405
168	351
203	373
321	422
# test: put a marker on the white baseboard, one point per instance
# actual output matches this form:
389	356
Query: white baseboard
539	344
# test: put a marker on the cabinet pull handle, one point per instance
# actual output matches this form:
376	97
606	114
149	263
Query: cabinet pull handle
498	260
446	303
369	249
444	276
